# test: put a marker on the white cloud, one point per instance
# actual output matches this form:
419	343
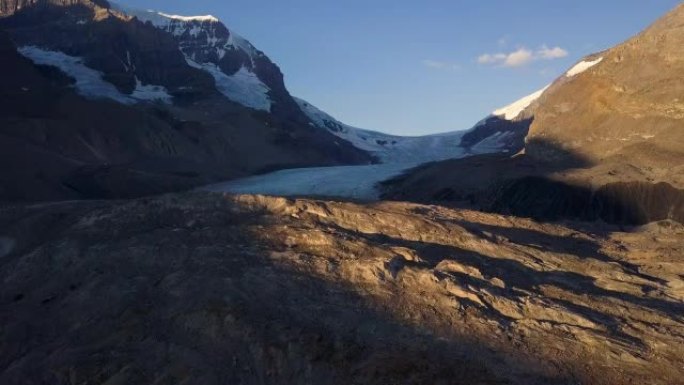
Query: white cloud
522	56
491	58
518	58
551	53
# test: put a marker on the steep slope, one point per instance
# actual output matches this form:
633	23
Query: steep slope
505	129
622	106
242	73
606	142
212	289
54	141
136	107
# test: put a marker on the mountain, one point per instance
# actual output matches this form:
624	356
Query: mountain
142	103
502	131
605	142
620	110
505	129
214	108
388	148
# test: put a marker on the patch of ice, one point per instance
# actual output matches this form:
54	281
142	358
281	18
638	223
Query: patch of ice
243	87
151	92
89	82
356	182
582	66
513	110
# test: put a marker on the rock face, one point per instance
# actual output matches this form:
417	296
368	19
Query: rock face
214	289
629	203
605	141
625	107
507	135
113	106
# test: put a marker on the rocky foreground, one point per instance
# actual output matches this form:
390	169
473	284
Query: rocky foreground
213	289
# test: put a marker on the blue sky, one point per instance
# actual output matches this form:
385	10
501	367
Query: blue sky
416	67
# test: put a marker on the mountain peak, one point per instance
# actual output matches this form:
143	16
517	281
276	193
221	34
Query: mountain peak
160	19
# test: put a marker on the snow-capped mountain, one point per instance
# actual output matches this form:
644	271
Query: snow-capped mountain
505	129
142	102
233	62
388	148
193	97
502	131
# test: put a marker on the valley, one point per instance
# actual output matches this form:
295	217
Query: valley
171	214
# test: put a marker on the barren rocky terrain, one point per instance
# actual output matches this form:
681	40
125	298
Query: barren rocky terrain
215	289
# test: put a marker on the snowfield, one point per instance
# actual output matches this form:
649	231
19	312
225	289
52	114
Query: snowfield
159	19
582	67
89	82
513	110
244	87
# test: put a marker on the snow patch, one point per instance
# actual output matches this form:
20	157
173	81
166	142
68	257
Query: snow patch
238	42
194	25
159	19
89	82
513	110
150	92
243	87
582	66
205	18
